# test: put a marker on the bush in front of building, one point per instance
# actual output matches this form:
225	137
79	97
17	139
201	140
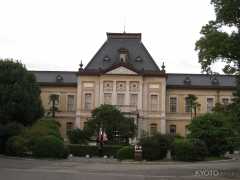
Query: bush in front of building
215	130
83	150
8	131
156	147
126	152
189	150
45	127
49	147
16	146
77	136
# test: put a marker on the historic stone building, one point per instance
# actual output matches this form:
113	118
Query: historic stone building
124	74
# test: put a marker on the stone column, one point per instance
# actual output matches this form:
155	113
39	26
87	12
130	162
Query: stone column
163	108
163	123
101	94
79	101
127	98
114	93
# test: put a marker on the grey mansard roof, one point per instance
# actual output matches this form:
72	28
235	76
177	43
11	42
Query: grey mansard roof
51	77
173	80
108	55
200	81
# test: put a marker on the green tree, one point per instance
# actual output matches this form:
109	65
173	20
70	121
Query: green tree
218	45
19	94
112	121
215	130
220	41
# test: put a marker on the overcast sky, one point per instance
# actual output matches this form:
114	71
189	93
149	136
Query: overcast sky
58	34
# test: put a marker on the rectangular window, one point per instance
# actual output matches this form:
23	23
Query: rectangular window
187	105
133	99
153	129
154	102
120	99
88	101
209	104
107	98
173	104
70	103
173	129
225	101
69	126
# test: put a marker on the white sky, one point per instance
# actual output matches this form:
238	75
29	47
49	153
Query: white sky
57	34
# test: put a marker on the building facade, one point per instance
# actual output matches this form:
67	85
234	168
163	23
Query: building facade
123	73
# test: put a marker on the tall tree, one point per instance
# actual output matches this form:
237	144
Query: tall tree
217	44
19	94
220	41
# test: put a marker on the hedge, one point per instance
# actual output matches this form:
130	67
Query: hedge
49	146
83	150
16	146
126	152
189	150
156	147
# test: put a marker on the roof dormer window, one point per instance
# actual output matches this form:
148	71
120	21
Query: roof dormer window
138	59
106	58
59	78
123	55
187	81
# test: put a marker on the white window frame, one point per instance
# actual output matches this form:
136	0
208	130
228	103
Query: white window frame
186	104
150	104
130	95
226	97
207	97
84	98
124	99
75	101
169	104
111	97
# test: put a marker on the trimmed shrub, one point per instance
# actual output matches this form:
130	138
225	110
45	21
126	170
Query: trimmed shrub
126	152
77	136
111	150
48	147
215	130
156	147
45	127
189	150
16	146
83	150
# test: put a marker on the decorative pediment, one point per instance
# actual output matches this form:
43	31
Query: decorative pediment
121	70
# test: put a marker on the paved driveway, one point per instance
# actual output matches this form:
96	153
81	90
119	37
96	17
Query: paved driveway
82	169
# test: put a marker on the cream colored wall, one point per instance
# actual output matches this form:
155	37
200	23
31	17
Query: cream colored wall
181	118
144	93
63	116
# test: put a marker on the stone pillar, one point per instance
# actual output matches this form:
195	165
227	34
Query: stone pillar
114	94
163	107
101	94
163	123
79	101
127	97
77	121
